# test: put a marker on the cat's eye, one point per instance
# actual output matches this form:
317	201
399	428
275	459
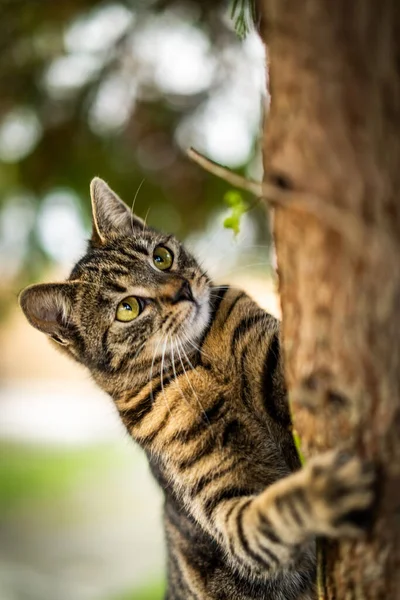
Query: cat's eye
128	309
163	258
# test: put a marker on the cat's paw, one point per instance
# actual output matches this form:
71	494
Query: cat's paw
341	491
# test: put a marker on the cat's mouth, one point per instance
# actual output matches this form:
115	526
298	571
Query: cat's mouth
187	320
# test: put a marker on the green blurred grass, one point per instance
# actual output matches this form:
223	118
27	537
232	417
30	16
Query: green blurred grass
155	591
29	473
32	475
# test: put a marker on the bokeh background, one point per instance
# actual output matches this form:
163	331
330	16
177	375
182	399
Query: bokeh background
120	90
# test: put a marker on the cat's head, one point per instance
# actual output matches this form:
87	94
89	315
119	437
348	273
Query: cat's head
134	292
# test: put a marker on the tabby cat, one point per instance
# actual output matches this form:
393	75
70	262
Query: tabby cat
195	372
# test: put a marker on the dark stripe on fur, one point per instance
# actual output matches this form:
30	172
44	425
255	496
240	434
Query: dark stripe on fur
215	304
223	495
266	529
244	326
296	500
138	248
150	437
214	476
107	272
287	504
144	407
245	544
215	410
200	426
268	553
220	295
271	363
105	361
231	430
208	448
234	303
115	287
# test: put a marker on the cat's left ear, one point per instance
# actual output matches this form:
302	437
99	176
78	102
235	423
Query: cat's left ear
111	216
49	308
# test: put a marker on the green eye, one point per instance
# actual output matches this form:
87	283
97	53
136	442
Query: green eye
163	258
128	309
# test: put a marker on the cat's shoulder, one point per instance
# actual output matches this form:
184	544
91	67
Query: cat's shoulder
234	304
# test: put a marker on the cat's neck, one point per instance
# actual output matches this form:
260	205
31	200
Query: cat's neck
138	375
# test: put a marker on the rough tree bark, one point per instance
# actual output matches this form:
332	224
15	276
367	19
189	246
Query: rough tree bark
333	131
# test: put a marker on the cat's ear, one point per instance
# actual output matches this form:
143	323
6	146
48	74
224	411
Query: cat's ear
48	307
110	214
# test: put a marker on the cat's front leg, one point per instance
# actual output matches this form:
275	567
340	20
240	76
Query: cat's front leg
330	496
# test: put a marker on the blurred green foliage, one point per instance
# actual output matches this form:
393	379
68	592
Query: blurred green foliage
30	473
297	442
34	484
77	101
154	591
238	207
244	15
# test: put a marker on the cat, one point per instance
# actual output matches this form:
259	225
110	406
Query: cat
196	373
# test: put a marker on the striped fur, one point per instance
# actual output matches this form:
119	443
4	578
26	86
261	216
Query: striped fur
199	385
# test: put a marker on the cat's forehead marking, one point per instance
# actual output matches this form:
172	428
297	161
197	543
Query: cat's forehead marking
124	263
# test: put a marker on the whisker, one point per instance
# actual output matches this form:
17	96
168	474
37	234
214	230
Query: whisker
132	366
134	200
176	377
145	219
186	356
195	346
151	370
187	377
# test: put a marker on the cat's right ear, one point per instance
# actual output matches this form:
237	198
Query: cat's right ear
48	307
111	216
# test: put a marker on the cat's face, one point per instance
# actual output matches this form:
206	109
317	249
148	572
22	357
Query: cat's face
136	294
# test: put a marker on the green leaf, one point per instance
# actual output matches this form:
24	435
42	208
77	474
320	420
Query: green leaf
239	206
233	198
233	223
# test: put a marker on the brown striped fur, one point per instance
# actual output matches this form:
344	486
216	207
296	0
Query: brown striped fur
198	382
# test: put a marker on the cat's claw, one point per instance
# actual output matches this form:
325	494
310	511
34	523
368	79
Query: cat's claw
341	490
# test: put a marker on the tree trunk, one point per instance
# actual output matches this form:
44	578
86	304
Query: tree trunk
333	132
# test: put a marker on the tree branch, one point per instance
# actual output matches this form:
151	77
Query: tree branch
360	236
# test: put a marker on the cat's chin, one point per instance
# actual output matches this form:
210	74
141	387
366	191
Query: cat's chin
185	329
195	323
188	328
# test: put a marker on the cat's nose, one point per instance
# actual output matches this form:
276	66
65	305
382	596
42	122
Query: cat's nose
183	293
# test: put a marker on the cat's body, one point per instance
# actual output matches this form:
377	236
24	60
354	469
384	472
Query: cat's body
228	440
196	374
